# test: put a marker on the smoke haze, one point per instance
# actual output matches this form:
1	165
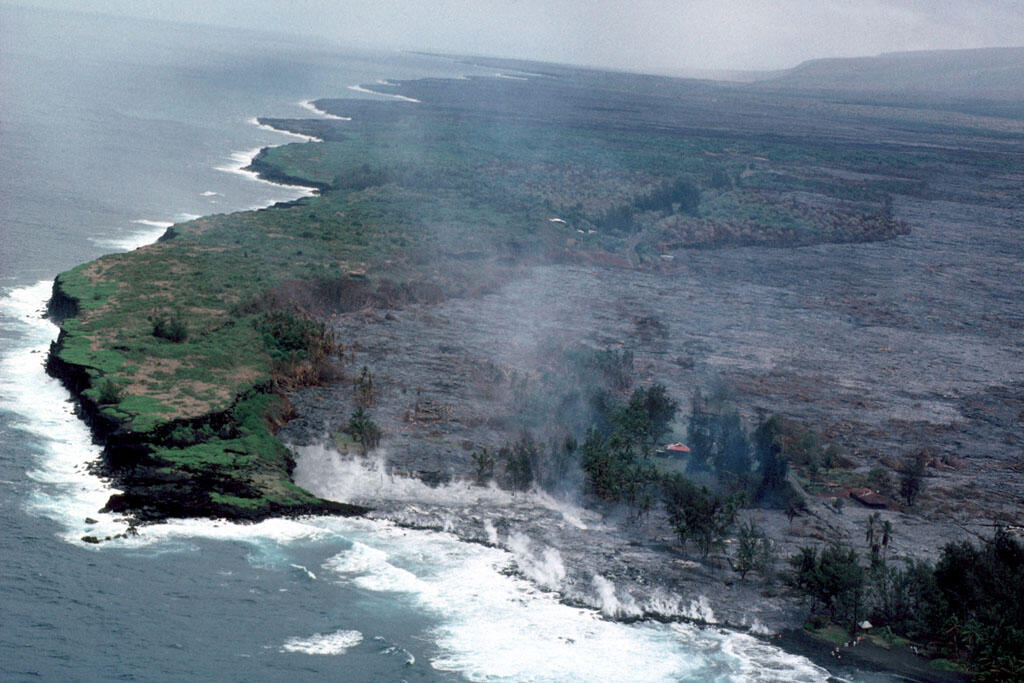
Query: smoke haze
646	35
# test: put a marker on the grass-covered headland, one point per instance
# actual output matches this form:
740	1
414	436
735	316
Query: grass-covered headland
181	353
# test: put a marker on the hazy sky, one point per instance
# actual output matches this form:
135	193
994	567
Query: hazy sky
629	34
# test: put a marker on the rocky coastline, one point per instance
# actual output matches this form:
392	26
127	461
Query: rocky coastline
150	491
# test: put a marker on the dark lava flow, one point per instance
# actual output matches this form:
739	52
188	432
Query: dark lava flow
884	347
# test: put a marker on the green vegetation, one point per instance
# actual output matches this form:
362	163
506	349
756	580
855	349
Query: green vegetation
699	515
363	430
755	465
968	607
483	464
521	462
835	579
912	479
616	470
109	392
616	452
754	551
172	329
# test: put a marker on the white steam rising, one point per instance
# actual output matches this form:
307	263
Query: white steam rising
329	474
611	604
544	567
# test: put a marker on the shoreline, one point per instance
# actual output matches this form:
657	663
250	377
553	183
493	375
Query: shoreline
864	657
247	164
308	105
254	121
790	637
140	491
367	91
242	166
119	498
73	492
409	503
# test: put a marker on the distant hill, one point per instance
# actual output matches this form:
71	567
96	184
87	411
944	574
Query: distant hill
989	73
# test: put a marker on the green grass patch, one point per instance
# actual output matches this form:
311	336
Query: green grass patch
941	664
833	634
217	454
238	502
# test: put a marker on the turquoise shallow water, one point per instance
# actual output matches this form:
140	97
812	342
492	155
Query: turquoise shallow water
112	130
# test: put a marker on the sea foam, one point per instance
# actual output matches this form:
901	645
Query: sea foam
497	626
361	89
308	105
68	492
242	160
494	625
337	643
150	231
307	138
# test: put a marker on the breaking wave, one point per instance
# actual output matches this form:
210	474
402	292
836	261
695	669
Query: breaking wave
497	626
367	91
308	105
337	643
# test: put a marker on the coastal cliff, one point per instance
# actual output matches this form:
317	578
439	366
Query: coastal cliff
155	481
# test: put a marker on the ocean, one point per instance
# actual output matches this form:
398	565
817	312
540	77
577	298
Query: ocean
111	130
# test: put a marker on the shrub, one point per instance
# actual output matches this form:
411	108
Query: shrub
614	470
365	431
834	578
772	462
754	551
912	479
290	336
900	596
173	329
301	349
880	480
831	456
795	503
645	419
521	460
681	192
697	514
364	395
110	392
483	463
720	179
716	437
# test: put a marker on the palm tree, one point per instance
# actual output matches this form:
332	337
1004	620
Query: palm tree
873	527
869	535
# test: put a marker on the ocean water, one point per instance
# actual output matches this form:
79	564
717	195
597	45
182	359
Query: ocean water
110	131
